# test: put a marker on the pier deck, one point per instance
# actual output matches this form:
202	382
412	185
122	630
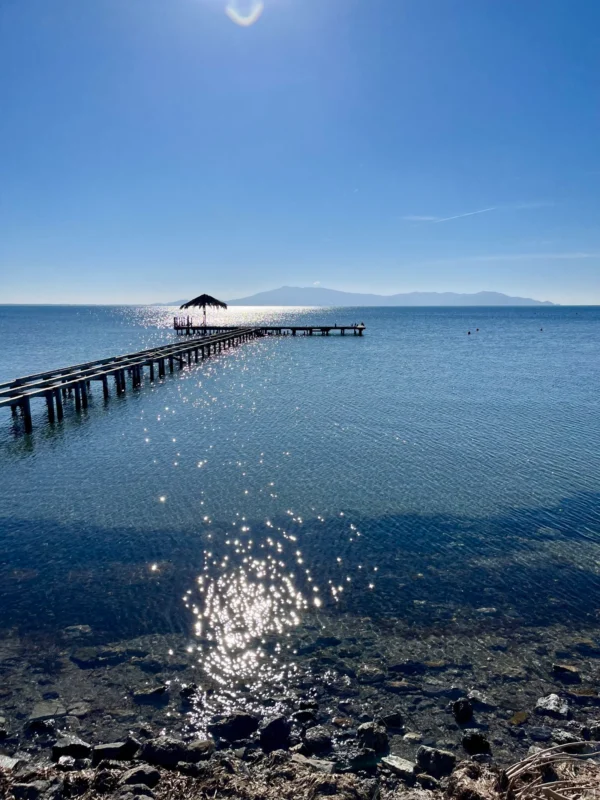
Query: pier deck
184	326
61	385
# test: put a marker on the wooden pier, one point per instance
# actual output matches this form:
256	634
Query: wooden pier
58	386
184	326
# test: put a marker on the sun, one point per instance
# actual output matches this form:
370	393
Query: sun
244	12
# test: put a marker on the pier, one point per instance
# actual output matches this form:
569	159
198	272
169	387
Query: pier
59	386
184	326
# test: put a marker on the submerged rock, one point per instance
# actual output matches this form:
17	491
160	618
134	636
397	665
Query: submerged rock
155	694
462	710
435	762
566	673
552	706
47	709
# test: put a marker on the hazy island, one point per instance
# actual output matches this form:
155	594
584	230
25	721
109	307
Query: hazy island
321	296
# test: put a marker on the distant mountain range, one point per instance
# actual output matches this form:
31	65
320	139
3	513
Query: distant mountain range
320	296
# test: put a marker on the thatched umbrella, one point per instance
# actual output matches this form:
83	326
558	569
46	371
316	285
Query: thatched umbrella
204	301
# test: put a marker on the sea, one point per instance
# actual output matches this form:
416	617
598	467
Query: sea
438	476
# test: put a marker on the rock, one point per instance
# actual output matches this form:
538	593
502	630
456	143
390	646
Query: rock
156	694
462	710
393	720
71	746
362	759
373	736
7	763
401	767
275	734
74	632
427	781
328	767
303	705
401	687
435	762
66	763
541	733
47	709
166	751
235	727
41	727
518	718
116	751
304	715
408	667
135	791
413	737
190	691
370	673
30	791
566	673
552	706
561	736
475	743
342	722
480	700
317	739
148	776
79	710
595	733
95	657
105	780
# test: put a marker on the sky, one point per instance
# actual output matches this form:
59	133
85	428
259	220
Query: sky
155	149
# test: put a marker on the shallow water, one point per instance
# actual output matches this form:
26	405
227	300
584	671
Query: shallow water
417	473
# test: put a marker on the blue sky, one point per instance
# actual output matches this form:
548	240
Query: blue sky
155	149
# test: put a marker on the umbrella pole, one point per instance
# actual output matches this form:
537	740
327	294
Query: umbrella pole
205	316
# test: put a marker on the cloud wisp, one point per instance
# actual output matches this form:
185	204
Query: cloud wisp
513	206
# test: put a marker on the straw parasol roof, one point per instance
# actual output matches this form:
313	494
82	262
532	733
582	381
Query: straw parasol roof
204	301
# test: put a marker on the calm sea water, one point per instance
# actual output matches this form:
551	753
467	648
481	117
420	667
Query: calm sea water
417	472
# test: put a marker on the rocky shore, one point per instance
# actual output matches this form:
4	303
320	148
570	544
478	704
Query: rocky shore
387	714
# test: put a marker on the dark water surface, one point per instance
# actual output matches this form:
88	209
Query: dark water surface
416	474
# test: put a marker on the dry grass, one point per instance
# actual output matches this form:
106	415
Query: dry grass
556	774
